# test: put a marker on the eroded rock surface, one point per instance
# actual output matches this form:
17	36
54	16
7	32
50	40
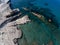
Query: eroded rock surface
10	32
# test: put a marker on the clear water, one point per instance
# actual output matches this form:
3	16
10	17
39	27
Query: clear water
36	32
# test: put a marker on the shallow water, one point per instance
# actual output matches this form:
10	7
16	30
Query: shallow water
36	32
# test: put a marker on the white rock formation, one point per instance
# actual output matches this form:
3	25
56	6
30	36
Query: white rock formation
23	20
4	1
4	10
10	32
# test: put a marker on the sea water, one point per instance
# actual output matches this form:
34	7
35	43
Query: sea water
54	5
36	32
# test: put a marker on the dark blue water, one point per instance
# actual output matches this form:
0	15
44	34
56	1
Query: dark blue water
54	5
35	31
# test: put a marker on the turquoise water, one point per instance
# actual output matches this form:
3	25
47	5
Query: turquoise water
36	32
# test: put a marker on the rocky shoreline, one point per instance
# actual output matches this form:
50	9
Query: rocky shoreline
9	33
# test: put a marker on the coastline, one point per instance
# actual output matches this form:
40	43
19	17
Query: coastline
9	33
